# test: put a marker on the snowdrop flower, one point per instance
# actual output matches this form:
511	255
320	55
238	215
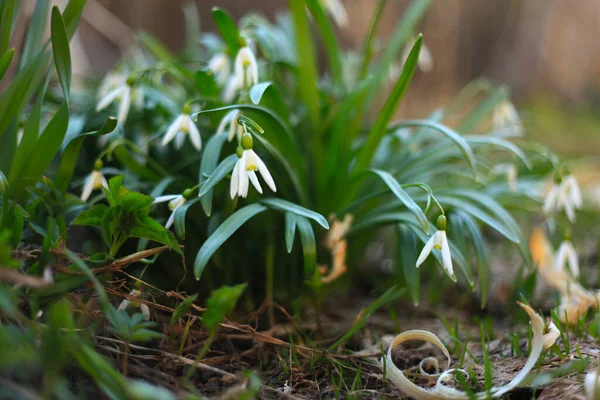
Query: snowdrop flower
592	385
183	124
438	241
175	201
506	119
94	181
123	94
245	73
220	66
337	11
245	170
111	81
126	304
511	174
566	254
564	194
425	60
231	119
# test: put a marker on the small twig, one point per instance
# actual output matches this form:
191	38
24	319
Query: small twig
176	357
14	276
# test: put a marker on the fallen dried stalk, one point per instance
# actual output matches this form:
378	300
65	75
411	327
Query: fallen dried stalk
442	392
14	276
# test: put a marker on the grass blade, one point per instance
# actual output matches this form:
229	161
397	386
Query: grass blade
61	51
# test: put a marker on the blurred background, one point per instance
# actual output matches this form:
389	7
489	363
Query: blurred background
545	51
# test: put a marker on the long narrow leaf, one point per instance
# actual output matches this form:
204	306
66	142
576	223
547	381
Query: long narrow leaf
222	170
290	231
286	206
61	51
309	246
222	233
367	151
210	159
413	207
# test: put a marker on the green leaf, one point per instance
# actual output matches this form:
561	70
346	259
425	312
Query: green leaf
307	71
389	296
183	308
91	217
222	233
61	51
180	218
257	91
483	262
290	230
379	129
71	151
309	247
498	142
222	170
371	221
35	32
479	214
408	255
154	46
210	158
147	227
228	29
8	11
47	146
287	206
456	138
72	14
5	61
413	207
332	47
220	303
206	84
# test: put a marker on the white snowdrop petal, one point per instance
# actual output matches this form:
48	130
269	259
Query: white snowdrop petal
110	97
162	199
170	220
235	181
172	131
446	257
124	106
266	175
426	250
88	187
550	202
194	134
254	180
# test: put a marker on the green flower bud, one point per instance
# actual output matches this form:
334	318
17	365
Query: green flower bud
239	151
187	193
130	80
187	109
441	222
246	141
98	165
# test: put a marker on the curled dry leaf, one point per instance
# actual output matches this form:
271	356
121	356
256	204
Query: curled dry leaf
442	392
337	245
575	299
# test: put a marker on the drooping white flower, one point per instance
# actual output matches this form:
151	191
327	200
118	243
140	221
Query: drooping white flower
175	201
126	304
438	241
424	62
230	120
94	181
220	66
337	11
183	125
566	254
245	169
245	73
125	93
505	119
592	385
565	195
